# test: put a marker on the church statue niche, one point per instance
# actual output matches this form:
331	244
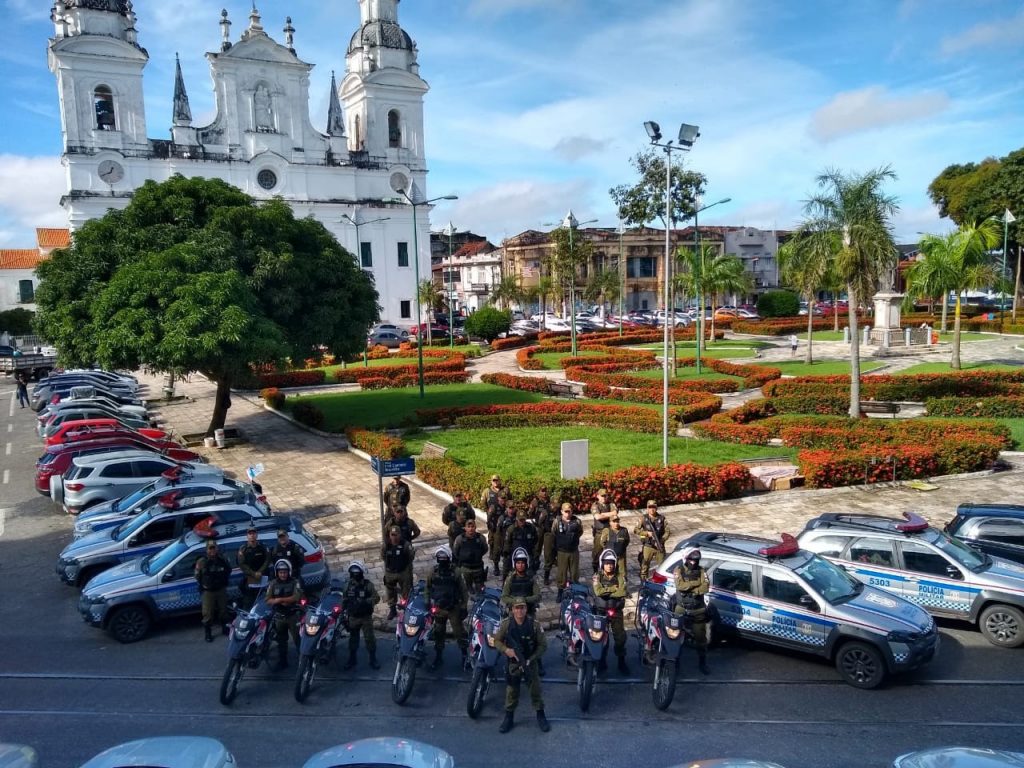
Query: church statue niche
103	102
263	109
394	131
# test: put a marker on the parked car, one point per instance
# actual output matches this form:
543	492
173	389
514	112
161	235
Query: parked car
995	529
40	397
128	599
54	421
148	532
388	339
382	752
392	328
93	426
107	476
960	757
177	751
909	558
747	314
725	314
781	595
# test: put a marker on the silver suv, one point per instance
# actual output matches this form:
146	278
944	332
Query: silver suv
105	476
127	599
909	558
785	596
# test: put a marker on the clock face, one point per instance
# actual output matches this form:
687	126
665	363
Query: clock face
110	171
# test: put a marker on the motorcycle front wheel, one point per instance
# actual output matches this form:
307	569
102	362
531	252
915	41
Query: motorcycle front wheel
304	678
664	683
229	684
477	691
585	682
405	677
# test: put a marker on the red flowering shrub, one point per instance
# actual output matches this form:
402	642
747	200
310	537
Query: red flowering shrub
831	469
749	411
291	379
915	387
413	379
273	397
511	342
753	375
728	432
452	363
376	443
1007	407
524	383
549	412
378	352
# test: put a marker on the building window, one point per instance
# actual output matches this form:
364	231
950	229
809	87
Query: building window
394	131
26	292
403	254
450	276
645	266
103	102
405	309
366	255
267	179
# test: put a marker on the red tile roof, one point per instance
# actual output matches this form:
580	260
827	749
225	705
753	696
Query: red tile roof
472	249
53	238
20	258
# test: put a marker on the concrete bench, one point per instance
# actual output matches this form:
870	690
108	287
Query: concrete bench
433	451
562	389
879	406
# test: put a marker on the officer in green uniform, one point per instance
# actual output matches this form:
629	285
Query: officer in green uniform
567	530
459	503
609	591
653	532
505	524
254	560
213	573
283	595
542	510
446	592
396	495
691	586
602	511
468	557
521	583
400	519
522	640
397	554
615	538
358	600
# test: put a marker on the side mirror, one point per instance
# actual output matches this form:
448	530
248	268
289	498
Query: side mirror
809	603
954	573
169	576
133	541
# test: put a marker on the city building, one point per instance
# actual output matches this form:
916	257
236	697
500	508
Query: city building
470	275
18	279
348	176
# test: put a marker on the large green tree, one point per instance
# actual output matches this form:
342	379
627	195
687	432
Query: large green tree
644	201
195	275
855	211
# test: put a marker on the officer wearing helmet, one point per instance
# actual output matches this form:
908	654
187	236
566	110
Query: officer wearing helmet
446	594
283	595
358	600
691	586
609	591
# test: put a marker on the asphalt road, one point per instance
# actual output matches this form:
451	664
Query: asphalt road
70	691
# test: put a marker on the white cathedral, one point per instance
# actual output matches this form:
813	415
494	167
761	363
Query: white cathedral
349	177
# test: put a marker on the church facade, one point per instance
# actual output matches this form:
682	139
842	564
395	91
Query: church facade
353	176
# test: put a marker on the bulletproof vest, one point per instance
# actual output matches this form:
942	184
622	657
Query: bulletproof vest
617	541
656	525
291	553
470	552
600	508
606	582
397	557
255	556
443	588
403	526
525	537
692	604
214	573
543	511
449	512
280	588
522	637
520	586
397	495
358	598
567	535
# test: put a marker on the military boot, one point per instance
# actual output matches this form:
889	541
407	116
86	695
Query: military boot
702	662
542	721
209	632
506	724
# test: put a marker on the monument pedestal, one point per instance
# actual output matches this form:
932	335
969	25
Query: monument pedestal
886	330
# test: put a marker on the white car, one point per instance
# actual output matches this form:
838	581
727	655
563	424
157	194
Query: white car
179	751
386	752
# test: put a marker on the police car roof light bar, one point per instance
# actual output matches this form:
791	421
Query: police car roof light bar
172	474
787	547
204	528
915	523
170	500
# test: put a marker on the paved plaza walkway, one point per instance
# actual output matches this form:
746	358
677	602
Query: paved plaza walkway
335	492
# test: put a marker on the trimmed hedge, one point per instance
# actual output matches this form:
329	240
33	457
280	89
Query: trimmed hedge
524	383
540	414
753	375
1006	407
453	363
273	397
291	379
307	413
511	342
376	443
413	379
914	387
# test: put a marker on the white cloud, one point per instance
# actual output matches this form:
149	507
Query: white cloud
873	107
989	34
508	208
573	148
30	191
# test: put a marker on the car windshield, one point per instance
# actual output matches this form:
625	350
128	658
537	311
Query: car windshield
959	551
135	498
127	529
157	562
828	580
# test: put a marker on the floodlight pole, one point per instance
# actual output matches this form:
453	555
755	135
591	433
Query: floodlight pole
451	289
622	275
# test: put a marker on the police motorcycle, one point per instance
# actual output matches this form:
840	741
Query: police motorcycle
320	628
661	632
248	644
415	622
484	658
584	639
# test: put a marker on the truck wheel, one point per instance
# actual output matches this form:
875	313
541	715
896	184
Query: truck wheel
860	665
1002	625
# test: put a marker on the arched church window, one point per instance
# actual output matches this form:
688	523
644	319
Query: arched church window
394	131
103	103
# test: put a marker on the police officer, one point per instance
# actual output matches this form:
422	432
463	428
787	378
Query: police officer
601	511
542	510
254	560
615	538
492	500
507	520
397	554
653	532
283	595
521	583
446	592
456	526
522	640
213	573
468	557
290	551
520	535
450	511
691	586
400	518
358	600
567	530
396	495
609	591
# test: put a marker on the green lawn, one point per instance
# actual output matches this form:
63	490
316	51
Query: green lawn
1016	430
536	450
945	368
390	408
820	336
819	367
551	360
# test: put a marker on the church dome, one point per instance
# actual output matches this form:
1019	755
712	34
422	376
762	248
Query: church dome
380	33
114	6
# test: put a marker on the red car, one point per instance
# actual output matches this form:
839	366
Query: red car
57	458
90	429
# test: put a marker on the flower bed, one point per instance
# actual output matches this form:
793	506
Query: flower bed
914	387
291	379
540	414
413	379
376	443
453	363
1007	407
524	383
511	342
752	375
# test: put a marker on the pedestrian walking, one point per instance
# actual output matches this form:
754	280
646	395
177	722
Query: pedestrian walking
793	342
21	383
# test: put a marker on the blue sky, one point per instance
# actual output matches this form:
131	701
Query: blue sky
536	106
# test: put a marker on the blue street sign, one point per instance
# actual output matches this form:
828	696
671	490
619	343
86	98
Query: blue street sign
393	467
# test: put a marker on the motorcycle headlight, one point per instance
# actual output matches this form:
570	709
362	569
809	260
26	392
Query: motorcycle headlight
595	634
490	641
672	632
312	629
411	629
244	624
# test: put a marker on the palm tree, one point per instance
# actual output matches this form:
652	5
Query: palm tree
857	212
430	297
603	287
708	276
725	274
545	289
507	292
805	264
968	248
934	275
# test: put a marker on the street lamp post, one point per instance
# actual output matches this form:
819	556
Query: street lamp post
1007	218
416	271
699	264
687	135
357	224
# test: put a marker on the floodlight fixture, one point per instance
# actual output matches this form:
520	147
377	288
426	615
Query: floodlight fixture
688	134
653	130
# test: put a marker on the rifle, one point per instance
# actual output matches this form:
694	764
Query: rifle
647	525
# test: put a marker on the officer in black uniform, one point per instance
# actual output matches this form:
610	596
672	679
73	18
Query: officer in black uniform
254	560
522	640
358	599
468	557
459	502
397	554
213	573
283	595
542	510
446	592
290	551
520	535
567	530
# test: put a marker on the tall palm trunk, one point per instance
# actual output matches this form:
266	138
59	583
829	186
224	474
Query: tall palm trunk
955	362
854	354
945	308
835	314
808	358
